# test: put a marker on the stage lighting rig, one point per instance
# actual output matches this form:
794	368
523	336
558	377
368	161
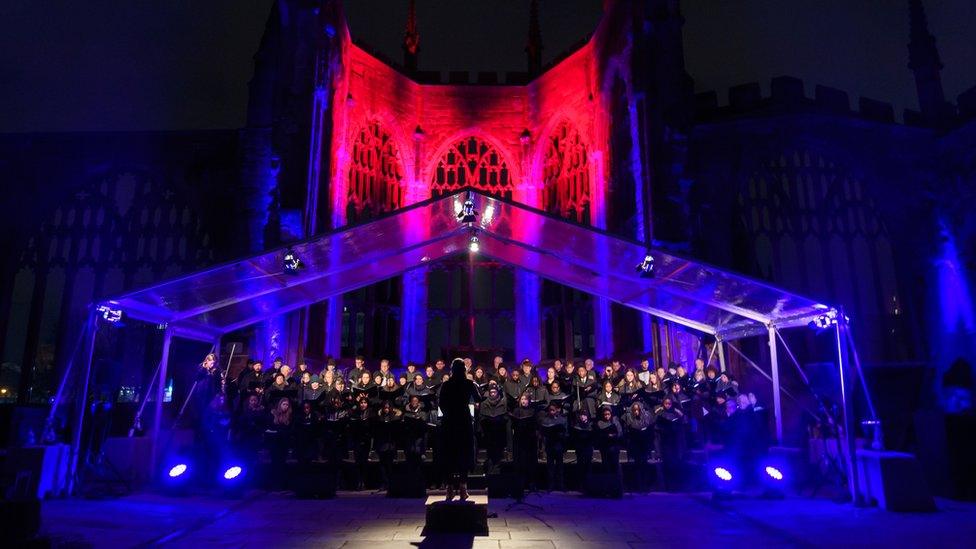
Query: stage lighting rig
474	246
827	320
468	214
109	314
646	267
291	263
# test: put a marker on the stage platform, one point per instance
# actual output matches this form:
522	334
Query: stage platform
456	517
565	521
348	476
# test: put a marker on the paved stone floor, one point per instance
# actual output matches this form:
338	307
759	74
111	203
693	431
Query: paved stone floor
564	521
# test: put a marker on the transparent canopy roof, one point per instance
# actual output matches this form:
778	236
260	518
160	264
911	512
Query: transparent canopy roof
209	303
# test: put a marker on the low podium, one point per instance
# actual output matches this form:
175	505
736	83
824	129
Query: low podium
457	517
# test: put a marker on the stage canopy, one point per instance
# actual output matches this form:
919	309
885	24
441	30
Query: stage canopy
207	304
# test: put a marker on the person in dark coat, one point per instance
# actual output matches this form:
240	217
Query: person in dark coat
414	431
493	421
552	425
335	445
582	439
385	425
607	434
457	395
308	431
670	421
525	447
360	438
280	432
638	426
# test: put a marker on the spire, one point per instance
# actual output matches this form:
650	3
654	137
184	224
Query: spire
411	38
924	61
533	47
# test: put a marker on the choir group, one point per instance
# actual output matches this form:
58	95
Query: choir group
521	415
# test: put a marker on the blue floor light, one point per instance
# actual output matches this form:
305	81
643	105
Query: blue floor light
178	470
723	474
176	475
775	479
774	473
233	472
232	479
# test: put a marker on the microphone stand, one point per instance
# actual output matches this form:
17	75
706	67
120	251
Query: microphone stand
223	377
137	421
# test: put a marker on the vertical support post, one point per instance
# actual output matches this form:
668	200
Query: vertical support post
647	333
158	406
413	316
333	327
602	327
846	374
528	316
777	403
82	404
721	353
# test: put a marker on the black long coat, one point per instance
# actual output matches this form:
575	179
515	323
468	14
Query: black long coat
457	425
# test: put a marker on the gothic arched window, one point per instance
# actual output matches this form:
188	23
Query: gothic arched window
126	230
472	162
375	174
812	225
566	175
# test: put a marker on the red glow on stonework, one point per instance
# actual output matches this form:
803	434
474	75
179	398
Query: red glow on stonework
542	144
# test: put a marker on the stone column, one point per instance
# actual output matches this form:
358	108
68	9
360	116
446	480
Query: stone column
413	317
333	305
602	319
413	304
528	316
528	285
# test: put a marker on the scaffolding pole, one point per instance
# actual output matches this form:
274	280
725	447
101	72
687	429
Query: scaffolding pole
721	354
847	382
774	367
82	403
160	394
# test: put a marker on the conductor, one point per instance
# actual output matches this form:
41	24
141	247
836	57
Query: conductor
457	395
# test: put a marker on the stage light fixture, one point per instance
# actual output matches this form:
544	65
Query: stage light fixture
233	472
291	263
827	320
468	214
178	470
488	216
774	473
474	246
723	474
646	267
109	314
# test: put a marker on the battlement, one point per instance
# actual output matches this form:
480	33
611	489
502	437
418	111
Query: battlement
787	94
473	78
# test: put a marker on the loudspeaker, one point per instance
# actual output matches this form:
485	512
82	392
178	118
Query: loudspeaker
505	485
20	520
314	484
894	481
603	485
406	485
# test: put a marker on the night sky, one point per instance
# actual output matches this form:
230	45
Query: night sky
70	65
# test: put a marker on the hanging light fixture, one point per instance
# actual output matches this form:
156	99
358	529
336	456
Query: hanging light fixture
468	214
646	267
